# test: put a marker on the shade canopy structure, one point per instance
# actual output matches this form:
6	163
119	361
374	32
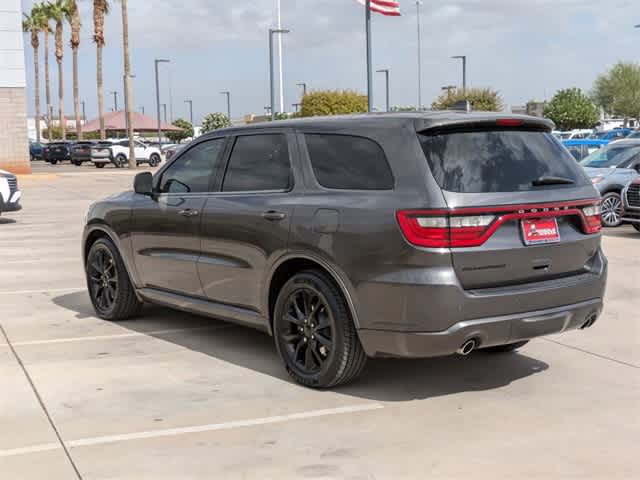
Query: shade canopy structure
116	121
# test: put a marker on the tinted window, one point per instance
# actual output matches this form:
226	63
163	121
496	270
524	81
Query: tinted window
348	163
611	157
192	172
498	161
258	162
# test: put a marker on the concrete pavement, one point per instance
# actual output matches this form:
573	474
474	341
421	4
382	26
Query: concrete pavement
177	396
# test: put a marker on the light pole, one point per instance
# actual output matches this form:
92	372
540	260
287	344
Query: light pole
126	101
304	88
448	88
386	75
156	62
296	106
164	108
142	110
271	72
190	102
418	3
228	94
464	70
84	113
115	100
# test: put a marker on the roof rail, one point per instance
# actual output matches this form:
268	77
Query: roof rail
461	106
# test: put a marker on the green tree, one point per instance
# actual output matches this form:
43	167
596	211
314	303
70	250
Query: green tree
570	108
482	99
186	132
332	102
214	121
618	90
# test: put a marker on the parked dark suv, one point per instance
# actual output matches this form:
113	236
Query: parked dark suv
55	152
395	235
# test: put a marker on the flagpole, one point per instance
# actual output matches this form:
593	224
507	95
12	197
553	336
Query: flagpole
367	8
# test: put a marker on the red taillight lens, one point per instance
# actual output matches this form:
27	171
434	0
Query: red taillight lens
437	230
593	217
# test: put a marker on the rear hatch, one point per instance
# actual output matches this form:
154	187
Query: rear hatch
520	209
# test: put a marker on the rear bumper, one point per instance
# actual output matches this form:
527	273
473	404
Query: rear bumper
486	331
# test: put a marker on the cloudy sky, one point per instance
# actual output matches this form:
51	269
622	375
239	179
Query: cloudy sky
526	49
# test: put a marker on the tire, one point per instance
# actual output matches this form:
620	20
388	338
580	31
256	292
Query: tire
99	165
76	163
611	210
154	160
339	357
636	226
120	160
506	348
110	288
54	162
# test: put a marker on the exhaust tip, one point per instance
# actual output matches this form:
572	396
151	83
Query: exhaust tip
591	319
467	347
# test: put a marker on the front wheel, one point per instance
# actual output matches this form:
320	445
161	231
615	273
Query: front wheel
110	289
154	160
314	334
612	210
54	162
77	163
99	165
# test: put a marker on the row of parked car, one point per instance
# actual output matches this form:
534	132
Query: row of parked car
100	153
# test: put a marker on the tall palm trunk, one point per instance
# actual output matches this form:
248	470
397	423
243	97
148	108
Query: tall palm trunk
75	44
100	86
127	84
59	54
36	71
47	84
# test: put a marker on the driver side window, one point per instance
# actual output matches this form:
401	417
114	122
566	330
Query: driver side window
193	170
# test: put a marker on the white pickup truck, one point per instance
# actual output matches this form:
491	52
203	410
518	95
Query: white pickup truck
117	152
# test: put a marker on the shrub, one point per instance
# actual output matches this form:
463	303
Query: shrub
214	121
570	108
482	99
187	131
333	102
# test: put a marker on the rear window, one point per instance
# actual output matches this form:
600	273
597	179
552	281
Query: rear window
498	160
346	162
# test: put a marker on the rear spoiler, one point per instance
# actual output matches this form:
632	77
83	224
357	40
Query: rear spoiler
481	122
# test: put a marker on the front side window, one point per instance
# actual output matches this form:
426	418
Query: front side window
346	162
610	157
258	163
192	172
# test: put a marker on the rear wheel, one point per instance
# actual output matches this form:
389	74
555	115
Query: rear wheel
120	160
154	160
53	162
99	165
109	286
77	163
314	333
612	209
506	348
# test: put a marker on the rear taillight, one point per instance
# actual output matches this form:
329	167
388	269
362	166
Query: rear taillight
435	230
593	217
471	227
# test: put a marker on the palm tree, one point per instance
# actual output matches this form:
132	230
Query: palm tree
45	28
127	83
32	24
58	13
100	9
73	17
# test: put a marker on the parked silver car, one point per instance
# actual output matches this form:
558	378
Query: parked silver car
611	169
631	203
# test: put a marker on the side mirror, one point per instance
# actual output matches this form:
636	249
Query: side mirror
143	183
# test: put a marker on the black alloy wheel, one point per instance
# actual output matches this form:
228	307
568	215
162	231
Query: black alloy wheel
314	333
103	279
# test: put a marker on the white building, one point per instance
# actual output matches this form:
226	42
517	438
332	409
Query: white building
14	145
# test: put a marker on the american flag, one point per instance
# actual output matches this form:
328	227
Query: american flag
385	7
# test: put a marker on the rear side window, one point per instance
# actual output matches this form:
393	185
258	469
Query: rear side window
346	162
258	163
498	160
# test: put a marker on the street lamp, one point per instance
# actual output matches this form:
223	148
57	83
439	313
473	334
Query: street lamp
304	88
228	94
126	103
84	113
142	110
164	108
386	74
272	32
464	70
115	100
156	62
448	88
190	102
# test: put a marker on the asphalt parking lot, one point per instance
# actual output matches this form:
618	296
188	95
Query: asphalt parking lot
176	396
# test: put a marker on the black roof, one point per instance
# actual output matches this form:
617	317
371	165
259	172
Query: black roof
421	120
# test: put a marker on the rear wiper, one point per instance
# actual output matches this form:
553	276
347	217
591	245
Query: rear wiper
548	180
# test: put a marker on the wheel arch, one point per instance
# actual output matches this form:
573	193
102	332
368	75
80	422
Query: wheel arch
96	231
288	266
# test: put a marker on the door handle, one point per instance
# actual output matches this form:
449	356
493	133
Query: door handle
273	215
188	212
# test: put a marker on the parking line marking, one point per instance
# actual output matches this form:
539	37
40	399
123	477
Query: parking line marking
41	260
44	290
120	335
213	427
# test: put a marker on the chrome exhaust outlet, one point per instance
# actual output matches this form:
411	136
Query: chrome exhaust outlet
467	347
590	321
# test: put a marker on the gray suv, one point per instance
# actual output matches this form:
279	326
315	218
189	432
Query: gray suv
393	235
